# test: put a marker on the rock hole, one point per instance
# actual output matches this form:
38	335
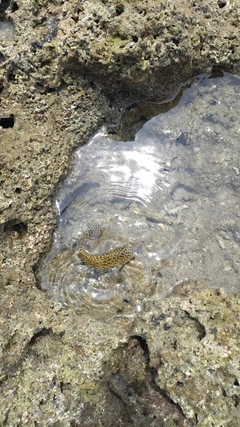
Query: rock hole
236	401
119	9
166	326
20	228
75	19
216	72
221	3
11	74
224	393
7	122
4	4
179	384
176	42
236	382
199	326
36	45
135	39
50	90
142	340
14	7
18	190
143	12
15	229
2	57
42	333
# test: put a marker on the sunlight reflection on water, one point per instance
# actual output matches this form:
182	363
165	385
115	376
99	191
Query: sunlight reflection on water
172	193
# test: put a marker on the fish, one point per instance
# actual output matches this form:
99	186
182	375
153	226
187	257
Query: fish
111	259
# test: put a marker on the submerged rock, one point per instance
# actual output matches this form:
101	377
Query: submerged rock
139	217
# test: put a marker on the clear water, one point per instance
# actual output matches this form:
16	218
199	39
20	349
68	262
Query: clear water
172	193
6	30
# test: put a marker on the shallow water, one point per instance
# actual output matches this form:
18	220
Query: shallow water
6	30
172	194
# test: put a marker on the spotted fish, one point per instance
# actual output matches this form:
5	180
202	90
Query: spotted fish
113	258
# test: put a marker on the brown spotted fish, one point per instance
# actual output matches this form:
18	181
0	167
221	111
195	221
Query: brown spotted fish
113	258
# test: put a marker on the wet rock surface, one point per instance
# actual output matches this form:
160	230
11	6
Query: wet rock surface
69	68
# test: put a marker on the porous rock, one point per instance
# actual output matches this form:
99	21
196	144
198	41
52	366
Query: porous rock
67	68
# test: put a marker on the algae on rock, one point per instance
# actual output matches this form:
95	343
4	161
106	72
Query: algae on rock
61	77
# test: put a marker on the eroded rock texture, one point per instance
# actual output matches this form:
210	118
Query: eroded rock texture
65	68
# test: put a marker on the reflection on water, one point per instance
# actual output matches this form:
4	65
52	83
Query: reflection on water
172	195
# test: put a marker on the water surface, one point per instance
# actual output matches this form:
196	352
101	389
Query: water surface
172	194
6	30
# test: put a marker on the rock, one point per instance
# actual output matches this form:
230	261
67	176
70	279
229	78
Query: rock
70	67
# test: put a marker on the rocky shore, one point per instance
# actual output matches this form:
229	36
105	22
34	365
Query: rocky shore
66	68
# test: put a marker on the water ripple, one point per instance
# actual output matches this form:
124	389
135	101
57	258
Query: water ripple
171	194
